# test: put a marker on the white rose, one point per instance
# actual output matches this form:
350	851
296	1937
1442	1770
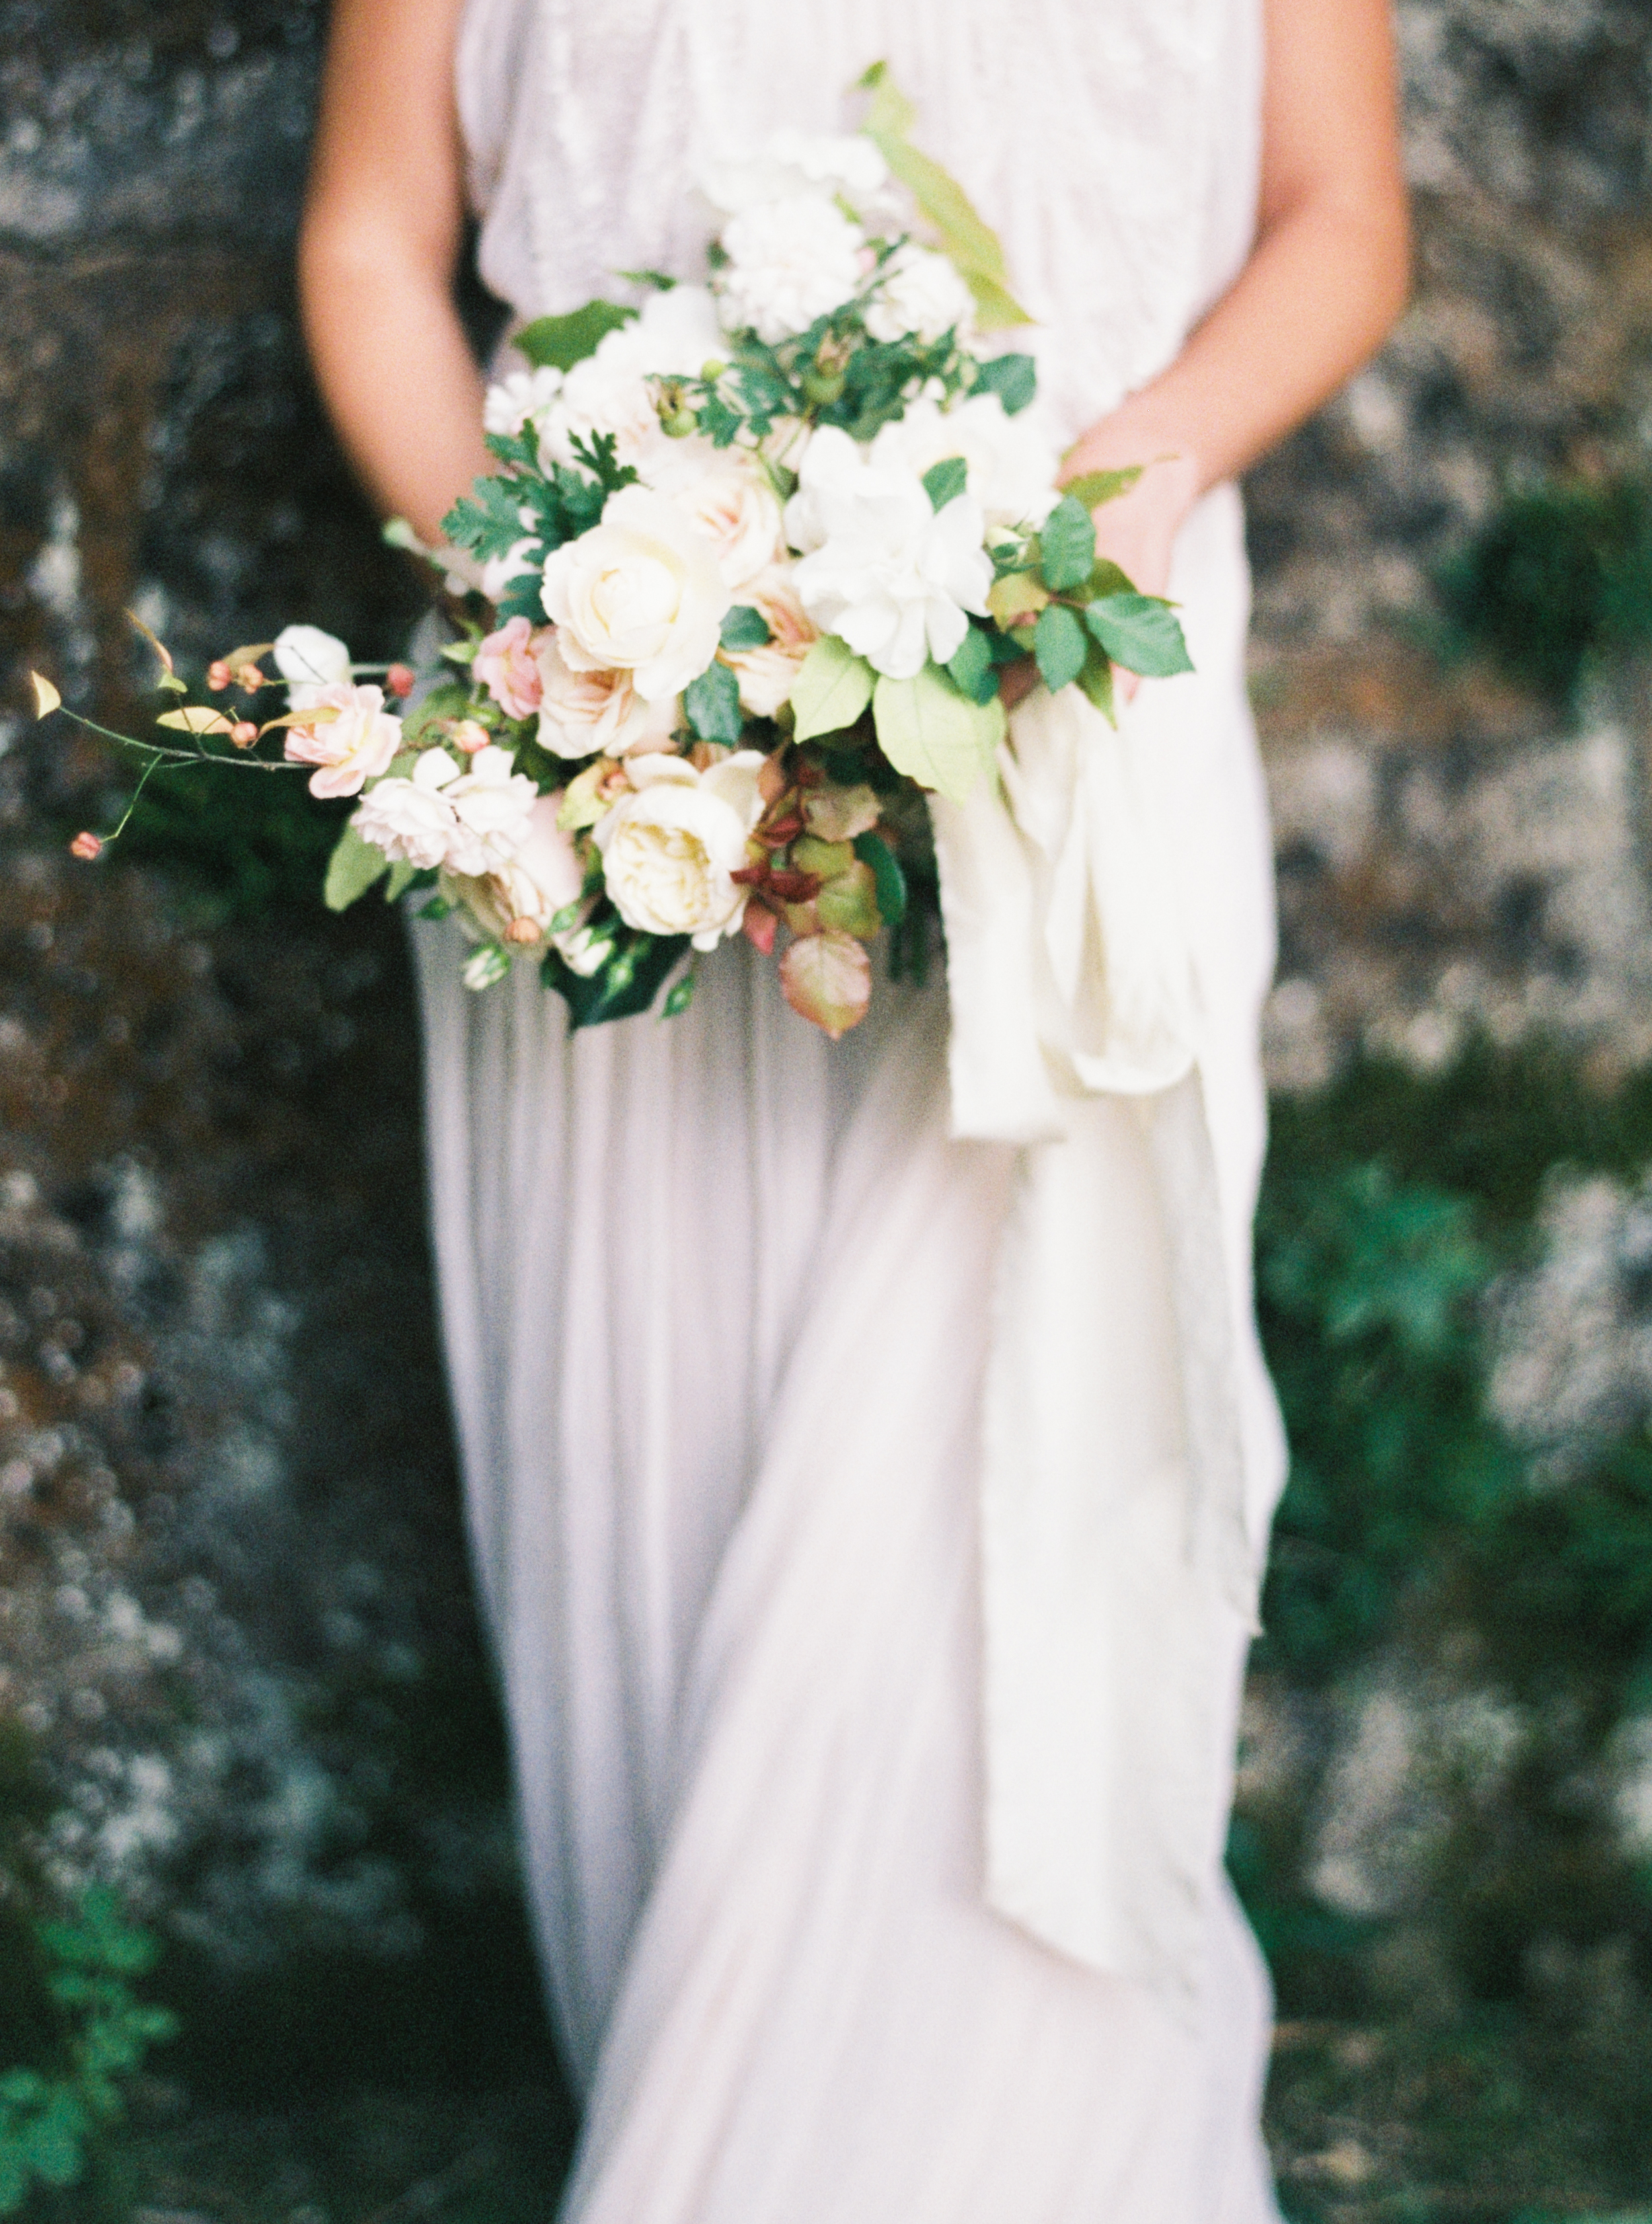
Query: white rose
887	572
640	593
412	819
789	261
491	805
309	660
842	165
1012	461
582	711
670	847
920	294
768	674
520	396
728	496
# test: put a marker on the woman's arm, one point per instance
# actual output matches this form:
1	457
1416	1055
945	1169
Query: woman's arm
1327	279
380	236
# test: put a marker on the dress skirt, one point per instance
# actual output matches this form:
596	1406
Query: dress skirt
717	1296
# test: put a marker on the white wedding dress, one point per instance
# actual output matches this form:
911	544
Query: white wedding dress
837	1487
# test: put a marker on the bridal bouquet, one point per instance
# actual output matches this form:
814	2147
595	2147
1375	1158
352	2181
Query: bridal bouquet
755	559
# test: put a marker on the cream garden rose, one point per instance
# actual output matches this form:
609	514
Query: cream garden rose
670	847
728	497
506	667
640	592
581	711
542	880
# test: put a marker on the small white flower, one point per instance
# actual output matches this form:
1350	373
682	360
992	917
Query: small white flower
885	571
519	397
491	804
309	660
608	392
670	847
1011	462
640	593
918	293
412	819
582	711
840	165
543	879
789	261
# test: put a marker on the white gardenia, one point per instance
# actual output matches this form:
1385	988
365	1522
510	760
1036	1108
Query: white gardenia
670	848
584	711
1011	460
310	660
728	496
519	396
411	820
919	293
789	261
640	593
844	165
884	570
492	805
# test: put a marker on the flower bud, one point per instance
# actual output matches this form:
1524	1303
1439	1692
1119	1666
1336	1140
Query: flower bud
87	846
217	675
521	930
401	679
470	735
680	424
823	388
712	369
244	733
250	679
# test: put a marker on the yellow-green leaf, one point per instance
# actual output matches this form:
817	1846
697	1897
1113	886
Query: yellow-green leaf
196	718
1015	598
833	686
935	736
351	871
154	640
46	699
849	902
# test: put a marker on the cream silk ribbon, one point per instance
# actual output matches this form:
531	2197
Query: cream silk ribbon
1110	1593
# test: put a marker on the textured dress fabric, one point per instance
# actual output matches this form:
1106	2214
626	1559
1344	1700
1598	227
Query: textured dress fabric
720	1298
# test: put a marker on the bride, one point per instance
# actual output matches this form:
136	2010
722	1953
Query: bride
868	1455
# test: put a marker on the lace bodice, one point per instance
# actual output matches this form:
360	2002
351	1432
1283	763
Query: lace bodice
1113	144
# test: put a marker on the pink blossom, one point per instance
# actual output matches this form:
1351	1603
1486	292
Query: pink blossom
504	663
349	734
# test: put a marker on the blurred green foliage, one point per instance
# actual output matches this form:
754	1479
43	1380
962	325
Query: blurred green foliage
1557	574
236	844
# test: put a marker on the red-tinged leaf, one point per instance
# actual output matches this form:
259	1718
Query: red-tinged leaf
827	978
795	888
760	926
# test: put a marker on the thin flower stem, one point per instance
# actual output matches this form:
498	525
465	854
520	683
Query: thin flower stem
159	749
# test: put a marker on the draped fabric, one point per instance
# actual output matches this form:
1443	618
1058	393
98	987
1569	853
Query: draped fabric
866	1447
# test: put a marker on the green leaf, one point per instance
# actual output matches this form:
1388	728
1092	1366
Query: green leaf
351	871
1013	378
832	688
437	907
872	850
658	279
402	874
1105	577
973	672
712	703
745	628
1094	487
972	245
626	984
1059	645
487	521
678	996
561	342
1066	546
1096	680
1141	632
930	731
945	481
